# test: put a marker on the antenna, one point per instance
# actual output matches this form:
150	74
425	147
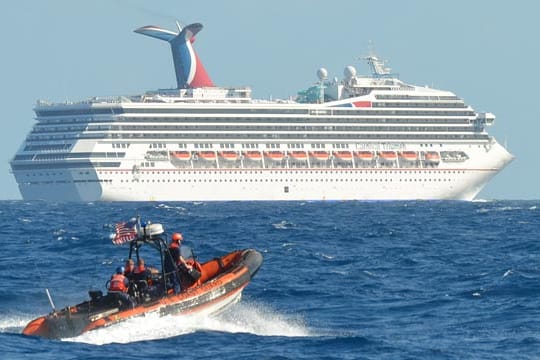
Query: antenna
378	66
50	299
371	48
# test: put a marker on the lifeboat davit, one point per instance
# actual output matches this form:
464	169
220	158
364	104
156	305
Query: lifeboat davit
229	155
408	155
274	155
207	155
364	155
319	155
298	155
343	155
218	284
253	155
388	155
181	155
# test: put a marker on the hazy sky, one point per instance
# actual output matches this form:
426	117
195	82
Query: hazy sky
487	52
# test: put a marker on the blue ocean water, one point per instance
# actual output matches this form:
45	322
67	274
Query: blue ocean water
341	280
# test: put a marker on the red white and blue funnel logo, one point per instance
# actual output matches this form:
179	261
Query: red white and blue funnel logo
190	72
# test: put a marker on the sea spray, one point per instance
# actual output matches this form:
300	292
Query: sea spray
249	317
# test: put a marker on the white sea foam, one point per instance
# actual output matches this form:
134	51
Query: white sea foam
249	318
325	256
508	272
284	224
501	209
14	323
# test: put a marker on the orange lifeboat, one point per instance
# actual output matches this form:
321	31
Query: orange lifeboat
319	155
253	155
274	155
388	155
432	156
229	155
181	155
207	155
298	155
364	155
408	155
343	155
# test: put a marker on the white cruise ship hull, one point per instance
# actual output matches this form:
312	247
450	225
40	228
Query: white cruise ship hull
461	182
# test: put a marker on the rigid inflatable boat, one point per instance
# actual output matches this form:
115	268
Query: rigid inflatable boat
218	283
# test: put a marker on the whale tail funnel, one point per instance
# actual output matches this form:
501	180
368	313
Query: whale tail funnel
190	72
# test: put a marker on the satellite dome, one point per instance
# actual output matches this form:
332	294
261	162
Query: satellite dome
322	74
349	72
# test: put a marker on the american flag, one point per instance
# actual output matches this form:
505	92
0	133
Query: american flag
125	232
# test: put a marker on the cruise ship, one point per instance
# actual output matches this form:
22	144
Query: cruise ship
370	137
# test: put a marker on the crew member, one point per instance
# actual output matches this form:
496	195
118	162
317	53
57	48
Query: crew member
130	268
141	273
142	277
118	286
177	239
175	261
119	282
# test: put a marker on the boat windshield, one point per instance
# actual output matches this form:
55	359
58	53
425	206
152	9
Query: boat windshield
187	252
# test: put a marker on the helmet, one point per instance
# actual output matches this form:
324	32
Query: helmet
120	270
177	237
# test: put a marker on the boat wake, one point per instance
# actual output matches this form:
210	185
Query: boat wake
252	318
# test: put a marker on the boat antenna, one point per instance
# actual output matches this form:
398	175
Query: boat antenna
50	299
38	272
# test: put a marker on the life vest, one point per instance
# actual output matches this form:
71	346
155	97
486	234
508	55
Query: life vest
129	270
117	283
140	274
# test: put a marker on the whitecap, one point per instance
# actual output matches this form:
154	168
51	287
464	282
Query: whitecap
283	224
369	273
59	232
327	257
339	272
164	206
508	208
